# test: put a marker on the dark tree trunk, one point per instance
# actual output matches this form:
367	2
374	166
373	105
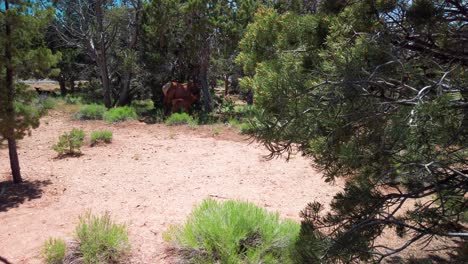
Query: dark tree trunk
101	57
72	86
226	85
14	161
124	97
63	88
249	97
10	110
203	64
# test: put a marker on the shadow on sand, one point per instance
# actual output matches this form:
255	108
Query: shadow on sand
12	195
431	258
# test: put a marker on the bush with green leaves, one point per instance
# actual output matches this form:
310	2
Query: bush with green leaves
91	112
142	107
101	240
70	143
120	114
101	136
72	99
54	251
234	232
180	119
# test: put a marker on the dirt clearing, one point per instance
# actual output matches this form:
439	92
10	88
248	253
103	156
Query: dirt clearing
150	177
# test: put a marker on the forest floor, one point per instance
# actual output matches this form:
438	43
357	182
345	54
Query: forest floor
150	177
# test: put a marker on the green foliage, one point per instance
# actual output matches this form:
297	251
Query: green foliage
54	251
179	119
247	128
101	240
120	114
142	107
234	232
345	87
91	112
101	136
73	100
70	143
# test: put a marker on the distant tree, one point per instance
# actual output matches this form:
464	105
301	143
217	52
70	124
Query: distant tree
376	93
23	54
108	32
194	39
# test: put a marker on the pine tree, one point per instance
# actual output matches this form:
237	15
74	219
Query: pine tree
376	93
22	55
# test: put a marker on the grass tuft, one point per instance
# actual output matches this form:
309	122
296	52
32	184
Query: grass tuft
54	251
91	112
234	232
120	114
177	119
101	240
101	136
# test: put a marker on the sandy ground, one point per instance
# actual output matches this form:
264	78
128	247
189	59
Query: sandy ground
150	177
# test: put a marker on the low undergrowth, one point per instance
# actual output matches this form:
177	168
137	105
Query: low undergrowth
101	136
91	112
234	232
177	119
54	251
120	114
98	239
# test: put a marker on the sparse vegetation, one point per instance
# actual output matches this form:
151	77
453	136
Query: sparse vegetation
234	232
101	240
119	114
91	112
177	119
54	251
70	143
101	136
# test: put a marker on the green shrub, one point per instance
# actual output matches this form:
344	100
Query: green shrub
71	99
101	136
234	232
142	107
101	240
179	119
70	143
246	128
246	111
91	112
120	114
48	102
54	251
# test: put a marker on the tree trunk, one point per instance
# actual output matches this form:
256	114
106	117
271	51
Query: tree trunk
124	98
14	161
226	85
10	109
63	88
102	65
72	86
101	57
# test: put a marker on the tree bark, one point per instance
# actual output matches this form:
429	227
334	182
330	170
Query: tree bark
102	56
72	86
63	88
10	109
226	85
124	96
